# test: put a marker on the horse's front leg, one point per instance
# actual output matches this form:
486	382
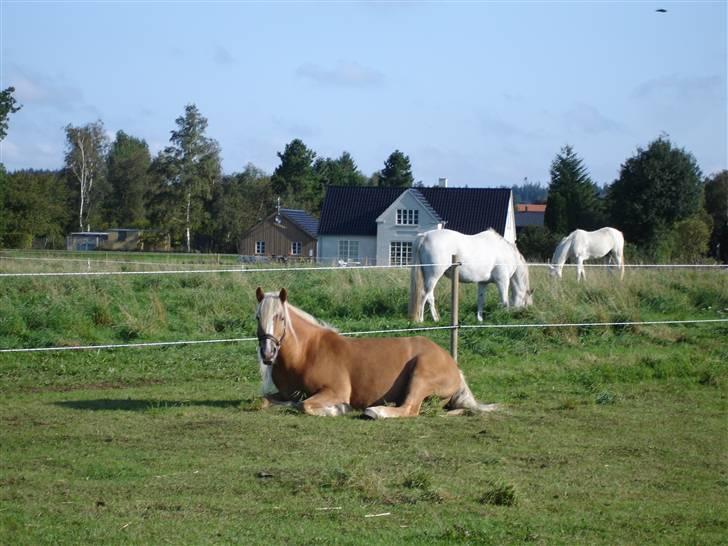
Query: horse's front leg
276	399
481	299
503	286
326	403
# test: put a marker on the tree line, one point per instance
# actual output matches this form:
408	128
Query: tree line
661	201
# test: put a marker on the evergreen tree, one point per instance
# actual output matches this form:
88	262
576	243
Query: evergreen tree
573	198
656	188
397	171
128	176
295	181
339	172
189	169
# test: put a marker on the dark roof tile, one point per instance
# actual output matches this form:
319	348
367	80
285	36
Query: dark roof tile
303	220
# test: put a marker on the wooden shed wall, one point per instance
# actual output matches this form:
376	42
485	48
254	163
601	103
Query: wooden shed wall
278	239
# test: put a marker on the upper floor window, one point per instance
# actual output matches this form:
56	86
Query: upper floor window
408	217
260	247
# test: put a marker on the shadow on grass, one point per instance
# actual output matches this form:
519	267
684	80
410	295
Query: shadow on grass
148	405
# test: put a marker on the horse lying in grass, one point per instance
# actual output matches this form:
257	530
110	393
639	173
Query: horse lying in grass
486	258
584	245
336	374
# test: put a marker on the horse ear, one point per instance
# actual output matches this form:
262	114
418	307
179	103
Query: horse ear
283	295
259	294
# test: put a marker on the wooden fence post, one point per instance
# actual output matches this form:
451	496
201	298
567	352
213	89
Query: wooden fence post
454	306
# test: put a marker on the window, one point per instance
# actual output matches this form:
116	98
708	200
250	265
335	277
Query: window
400	253
260	247
349	250
408	217
296	248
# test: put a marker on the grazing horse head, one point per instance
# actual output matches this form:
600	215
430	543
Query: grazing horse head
553	270
273	320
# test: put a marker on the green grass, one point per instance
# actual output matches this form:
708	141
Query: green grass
607	436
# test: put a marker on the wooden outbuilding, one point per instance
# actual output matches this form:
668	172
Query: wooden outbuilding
287	234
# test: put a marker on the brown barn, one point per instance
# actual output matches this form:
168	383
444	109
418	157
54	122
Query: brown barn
285	234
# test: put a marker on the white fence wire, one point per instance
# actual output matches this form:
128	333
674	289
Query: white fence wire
371	332
286	269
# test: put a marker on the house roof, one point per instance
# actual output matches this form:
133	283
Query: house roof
303	220
353	210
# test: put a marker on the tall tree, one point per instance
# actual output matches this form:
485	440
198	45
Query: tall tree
656	188
295	180
716	204
128	175
529	192
190	167
8	105
239	201
342	171
397	171
86	149
33	205
573	198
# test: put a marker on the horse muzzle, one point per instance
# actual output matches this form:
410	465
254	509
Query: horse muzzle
268	348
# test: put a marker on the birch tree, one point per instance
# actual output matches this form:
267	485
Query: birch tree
191	167
86	149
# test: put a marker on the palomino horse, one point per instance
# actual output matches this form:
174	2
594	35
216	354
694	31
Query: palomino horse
486	257
300	357
584	245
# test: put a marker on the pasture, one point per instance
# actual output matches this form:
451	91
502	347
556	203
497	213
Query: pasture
608	435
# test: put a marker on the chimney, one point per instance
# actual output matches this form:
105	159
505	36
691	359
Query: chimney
442	182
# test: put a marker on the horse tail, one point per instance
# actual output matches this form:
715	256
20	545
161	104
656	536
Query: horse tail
620	248
416	281
464	399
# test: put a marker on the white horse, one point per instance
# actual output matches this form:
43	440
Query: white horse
486	257
584	245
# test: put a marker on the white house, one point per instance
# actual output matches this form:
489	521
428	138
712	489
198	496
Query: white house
378	225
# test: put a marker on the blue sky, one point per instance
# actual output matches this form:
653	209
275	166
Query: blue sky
484	93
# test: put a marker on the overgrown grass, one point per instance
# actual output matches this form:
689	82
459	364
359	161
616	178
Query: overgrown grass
608	435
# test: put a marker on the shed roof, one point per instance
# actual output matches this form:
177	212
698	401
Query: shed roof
303	220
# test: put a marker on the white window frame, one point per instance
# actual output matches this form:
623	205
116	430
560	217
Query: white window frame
296	248
259	248
408	217
400	252
348	250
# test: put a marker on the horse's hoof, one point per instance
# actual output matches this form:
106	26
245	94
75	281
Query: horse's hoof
371	413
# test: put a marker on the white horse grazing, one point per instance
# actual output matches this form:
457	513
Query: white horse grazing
584	245
486	257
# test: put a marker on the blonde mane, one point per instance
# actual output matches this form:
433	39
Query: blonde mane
307	317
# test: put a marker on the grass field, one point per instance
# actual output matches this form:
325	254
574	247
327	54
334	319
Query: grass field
607	435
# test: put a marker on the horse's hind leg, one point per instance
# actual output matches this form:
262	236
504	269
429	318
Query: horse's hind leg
427	379
430	283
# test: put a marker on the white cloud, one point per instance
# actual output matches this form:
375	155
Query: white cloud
682	88
586	118
344	74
